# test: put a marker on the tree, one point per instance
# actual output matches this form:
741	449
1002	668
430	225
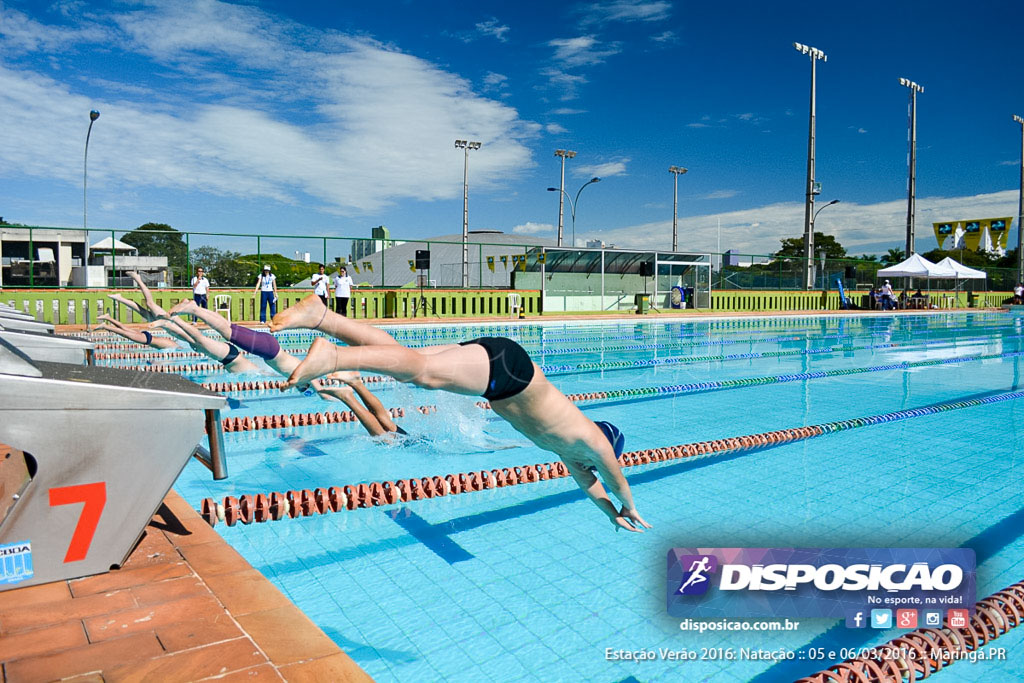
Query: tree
794	247
868	257
159	239
893	256
225	268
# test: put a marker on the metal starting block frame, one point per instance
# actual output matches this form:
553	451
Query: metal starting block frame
90	453
51	347
23	323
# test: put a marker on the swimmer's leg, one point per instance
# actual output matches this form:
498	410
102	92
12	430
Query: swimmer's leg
310	313
366	418
369	399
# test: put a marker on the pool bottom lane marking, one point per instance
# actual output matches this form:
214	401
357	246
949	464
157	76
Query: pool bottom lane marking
432	536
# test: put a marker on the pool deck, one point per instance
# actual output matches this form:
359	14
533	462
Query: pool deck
187	607
184	607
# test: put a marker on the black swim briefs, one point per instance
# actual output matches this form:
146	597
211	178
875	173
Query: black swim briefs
511	368
232	355
148	336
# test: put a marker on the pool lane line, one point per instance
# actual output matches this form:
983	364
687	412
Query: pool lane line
266	385
585	368
697	387
274	506
925	651
616	396
986	544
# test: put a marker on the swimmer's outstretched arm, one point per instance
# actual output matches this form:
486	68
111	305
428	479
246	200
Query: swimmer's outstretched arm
368	398
627	518
365	417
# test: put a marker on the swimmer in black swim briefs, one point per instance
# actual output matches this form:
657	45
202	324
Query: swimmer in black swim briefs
497	369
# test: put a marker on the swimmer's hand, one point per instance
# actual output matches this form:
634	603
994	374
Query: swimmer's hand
630	520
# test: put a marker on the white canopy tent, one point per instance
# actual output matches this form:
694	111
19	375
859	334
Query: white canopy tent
918	266
963	272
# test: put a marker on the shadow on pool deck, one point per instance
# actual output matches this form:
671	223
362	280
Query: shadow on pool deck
184	607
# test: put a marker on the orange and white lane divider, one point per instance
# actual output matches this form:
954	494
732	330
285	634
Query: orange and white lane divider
919	654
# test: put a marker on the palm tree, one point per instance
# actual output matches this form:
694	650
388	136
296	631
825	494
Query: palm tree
894	255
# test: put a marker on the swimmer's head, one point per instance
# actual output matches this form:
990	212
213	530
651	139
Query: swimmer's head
614	436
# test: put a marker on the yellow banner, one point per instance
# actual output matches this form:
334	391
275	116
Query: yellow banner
490	263
504	260
972	235
368	265
999	228
412	266
943	231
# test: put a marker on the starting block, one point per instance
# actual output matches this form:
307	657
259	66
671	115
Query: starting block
51	347
89	455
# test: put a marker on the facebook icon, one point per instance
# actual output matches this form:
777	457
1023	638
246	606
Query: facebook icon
856	619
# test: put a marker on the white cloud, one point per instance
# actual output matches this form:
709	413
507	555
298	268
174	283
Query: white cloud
582	51
860	228
531	228
492	27
605	170
697	125
1010	163
665	38
566	111
720	194
243	103
566	82
555	129
745	117
494	82
599	13
858	129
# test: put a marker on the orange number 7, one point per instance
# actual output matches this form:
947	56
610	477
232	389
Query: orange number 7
95	498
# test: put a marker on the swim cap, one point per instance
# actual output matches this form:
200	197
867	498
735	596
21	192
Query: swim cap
614	436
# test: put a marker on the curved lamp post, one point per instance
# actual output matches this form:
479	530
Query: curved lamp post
573	203
814	217
93	115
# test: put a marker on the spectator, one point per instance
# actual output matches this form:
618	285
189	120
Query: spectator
266	285
319	282
1018	294
200	289
888	297
873	298
342	291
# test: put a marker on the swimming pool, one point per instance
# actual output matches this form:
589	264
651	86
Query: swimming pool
530	581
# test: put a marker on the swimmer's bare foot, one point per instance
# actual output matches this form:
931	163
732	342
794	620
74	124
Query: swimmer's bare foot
183	307
349	377
320	360
344	394
106	318
306	314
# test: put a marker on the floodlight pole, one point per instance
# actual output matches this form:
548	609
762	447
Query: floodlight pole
1020	205
573	204
93	115
466	145
815	54
911	161
564	154
676	171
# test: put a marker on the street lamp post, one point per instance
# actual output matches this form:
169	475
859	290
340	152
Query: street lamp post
911	161
573	203
676	171
815	54
814	219
564	154
1020	205
466	145
93	115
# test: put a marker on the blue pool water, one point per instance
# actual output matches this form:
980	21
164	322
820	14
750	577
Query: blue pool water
532	582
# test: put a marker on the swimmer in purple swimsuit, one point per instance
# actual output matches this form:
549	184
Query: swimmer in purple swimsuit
497	369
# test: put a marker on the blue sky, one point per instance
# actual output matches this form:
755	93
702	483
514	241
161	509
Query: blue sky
331	118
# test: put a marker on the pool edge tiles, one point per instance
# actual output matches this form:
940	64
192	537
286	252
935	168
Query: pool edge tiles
185	605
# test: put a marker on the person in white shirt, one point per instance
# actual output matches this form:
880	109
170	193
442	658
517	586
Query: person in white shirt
888	297
319	282
342	291
266	285
1018	294
200	289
